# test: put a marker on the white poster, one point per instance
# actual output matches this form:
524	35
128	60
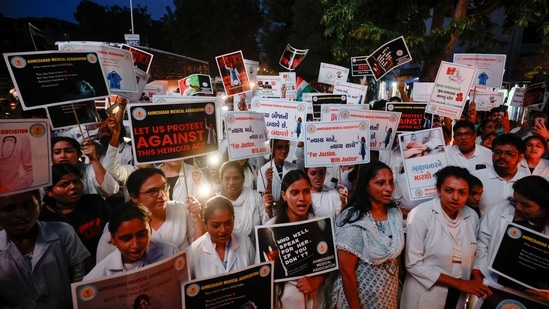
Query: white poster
356	93
330	73
383	125
284	119
246	134
490	67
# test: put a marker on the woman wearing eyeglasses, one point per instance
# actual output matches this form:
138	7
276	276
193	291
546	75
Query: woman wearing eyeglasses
65	202
271	173
130	231
173	222
528	207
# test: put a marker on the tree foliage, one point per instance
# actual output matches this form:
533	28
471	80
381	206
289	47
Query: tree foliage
432	28
209	28
110	23
296	23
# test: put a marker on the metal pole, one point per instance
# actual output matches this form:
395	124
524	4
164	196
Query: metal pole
131	13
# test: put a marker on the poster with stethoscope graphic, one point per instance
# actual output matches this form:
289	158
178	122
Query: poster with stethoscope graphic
25	155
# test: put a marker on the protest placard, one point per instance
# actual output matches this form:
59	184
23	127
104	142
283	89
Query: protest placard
383	125
329	143
54	78
284	119
424	154
486	97
141	59
389	56
170	131
412	116
490	67
422	91
251	287
360	66
450	90
117	63
330	112
246	135
194	84
356	93
521	257
298	248
330	73
63	116
318	100
288	86
233	73
269	86
292	57
158	284
25	155
512	299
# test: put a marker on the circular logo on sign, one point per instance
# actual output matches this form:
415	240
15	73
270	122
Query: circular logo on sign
514	232
322	247
390	107
344	114
362	126
264	271
37	130
392	118
326	110
315	99
399	52
311	129
209	108
230	119
343	98
87	292
92	58
300	107
18	62
419	192
204	84
193	289
510	304
179	263
139	113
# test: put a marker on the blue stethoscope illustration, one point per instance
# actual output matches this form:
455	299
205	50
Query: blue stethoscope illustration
8	146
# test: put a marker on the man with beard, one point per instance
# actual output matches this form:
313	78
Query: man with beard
465	153
498	179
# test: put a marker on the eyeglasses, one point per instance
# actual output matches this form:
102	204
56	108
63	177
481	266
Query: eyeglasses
154	192
506	153
464	134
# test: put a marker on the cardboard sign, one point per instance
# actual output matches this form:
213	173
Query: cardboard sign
62	116
251	287
284	119
360	66
158	283
320	99
55	78
490	67
330	73
169	131
298	249
389	56
246	135
383	125
356	93
412	116
141	59
233	73
292	57
25	155
330	144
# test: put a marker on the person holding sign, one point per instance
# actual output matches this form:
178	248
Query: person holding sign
440	246
172	222
295	206
528	207
96	179
130	229
38	260
219	250
270	177
369	240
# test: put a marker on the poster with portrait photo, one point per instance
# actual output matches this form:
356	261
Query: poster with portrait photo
249	288
304	248
49	78
233	73
25	155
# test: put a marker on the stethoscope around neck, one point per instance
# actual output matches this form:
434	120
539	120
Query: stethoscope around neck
8	146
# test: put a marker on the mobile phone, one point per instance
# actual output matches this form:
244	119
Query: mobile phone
480	166
333	182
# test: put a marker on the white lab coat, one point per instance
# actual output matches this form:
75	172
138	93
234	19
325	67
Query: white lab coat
428	253
204	260
277	180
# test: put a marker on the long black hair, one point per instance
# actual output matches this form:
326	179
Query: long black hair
282	206
359	203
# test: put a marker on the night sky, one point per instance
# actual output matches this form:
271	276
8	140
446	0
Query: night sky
64	9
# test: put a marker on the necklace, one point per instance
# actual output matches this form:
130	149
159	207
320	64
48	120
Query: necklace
378	224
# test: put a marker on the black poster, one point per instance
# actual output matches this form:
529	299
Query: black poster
321	99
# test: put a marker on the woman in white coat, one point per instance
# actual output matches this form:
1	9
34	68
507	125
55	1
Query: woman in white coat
219	250
440	246
528	207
